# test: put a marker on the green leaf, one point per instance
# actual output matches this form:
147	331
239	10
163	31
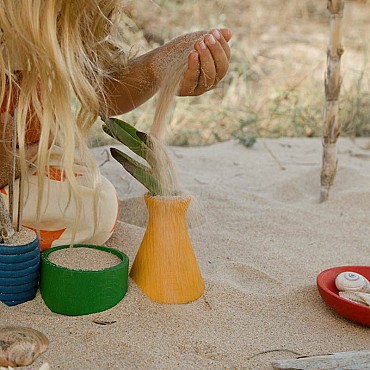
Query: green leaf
111	121
145	138
150	155
149	181
139	171
126	134
125	159
141	144
137	141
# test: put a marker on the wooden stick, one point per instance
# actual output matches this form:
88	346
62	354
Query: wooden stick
12	170
20	204
331	126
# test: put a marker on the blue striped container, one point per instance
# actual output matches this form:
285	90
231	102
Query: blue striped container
19	272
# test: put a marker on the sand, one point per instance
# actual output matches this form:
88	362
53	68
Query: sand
86	259
262	240
22	237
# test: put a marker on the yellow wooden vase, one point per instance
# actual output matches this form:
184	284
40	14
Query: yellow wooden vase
165	267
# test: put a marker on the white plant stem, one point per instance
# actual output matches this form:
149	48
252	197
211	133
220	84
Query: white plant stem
6	229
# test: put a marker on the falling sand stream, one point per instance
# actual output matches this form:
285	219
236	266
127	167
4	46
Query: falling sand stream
173	70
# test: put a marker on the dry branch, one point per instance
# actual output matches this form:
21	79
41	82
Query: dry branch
331	125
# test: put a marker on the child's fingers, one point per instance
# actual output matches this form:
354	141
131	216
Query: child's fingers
191	77
226	33
207	65
221	55
223	42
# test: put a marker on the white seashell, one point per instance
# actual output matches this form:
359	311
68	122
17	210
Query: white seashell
19	346
358	297
352	281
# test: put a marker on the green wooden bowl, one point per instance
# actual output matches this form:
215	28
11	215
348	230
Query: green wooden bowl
82	292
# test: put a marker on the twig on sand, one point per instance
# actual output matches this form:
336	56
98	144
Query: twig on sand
273	156
274	350
105	151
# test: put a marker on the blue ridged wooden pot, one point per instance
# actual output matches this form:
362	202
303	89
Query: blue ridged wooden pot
19	272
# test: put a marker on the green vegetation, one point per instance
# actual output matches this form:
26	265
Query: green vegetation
140	144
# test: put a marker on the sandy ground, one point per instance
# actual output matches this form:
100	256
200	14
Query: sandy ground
261	240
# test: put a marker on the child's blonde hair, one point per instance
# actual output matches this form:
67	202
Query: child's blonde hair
65	50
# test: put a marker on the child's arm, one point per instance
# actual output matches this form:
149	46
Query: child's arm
208	63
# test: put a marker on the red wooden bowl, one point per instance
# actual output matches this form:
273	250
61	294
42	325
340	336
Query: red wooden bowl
350	310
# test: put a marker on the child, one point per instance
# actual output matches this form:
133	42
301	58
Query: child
55	52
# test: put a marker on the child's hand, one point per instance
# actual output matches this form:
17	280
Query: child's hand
207	53
207	64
